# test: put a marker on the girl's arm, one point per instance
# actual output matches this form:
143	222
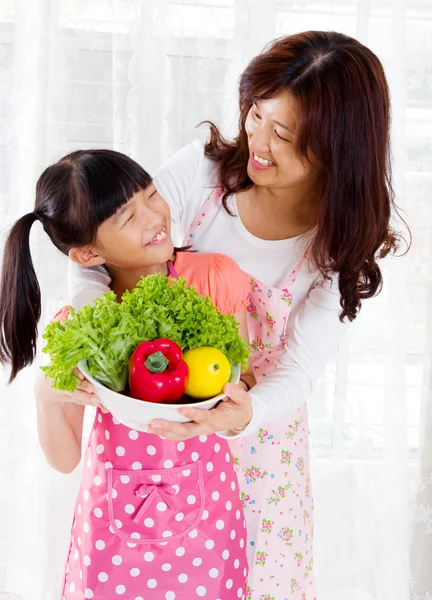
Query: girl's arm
60	421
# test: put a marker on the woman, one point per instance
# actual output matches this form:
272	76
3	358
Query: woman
302	200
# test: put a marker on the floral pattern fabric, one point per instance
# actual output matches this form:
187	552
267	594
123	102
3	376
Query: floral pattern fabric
273	465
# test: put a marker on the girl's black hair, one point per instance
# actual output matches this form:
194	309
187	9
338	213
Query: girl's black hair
73	197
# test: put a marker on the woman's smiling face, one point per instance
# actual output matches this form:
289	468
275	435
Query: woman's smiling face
271	130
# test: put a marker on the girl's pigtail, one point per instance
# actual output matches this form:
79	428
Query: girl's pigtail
20	300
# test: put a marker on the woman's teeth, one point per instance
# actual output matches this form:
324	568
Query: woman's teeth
263	161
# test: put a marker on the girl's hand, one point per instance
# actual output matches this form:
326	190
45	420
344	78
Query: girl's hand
83	394
60	418
234	412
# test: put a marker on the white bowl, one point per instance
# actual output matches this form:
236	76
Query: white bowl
137	414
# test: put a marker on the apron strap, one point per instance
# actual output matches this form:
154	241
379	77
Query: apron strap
212	202
289	283
172	271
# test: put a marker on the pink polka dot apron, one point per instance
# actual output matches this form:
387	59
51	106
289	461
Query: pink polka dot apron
155	519
273	464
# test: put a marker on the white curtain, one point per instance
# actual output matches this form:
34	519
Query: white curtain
138	75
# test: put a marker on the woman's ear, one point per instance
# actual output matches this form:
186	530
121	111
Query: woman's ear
85	257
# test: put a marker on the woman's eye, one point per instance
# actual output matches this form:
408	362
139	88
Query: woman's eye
280	137
129	219
257	116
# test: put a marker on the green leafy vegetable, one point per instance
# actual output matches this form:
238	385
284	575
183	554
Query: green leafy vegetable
107	332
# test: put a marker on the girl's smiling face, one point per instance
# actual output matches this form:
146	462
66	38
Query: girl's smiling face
138	235
271	130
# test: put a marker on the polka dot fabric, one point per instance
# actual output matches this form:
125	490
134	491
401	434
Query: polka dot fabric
156	520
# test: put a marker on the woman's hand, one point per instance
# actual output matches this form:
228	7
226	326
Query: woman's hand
234	412
82	395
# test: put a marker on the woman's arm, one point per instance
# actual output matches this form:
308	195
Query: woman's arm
85	284
60	421
247	380
231	416
313	336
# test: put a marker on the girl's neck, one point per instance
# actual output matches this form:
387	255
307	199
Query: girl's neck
123	279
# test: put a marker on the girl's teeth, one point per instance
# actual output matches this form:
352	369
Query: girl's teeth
160	235
263	161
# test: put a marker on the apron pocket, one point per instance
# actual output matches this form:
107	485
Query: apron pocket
155	506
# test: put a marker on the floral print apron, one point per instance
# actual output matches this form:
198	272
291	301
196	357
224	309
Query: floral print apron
273	464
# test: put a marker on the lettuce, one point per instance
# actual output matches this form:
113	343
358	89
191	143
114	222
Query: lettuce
106	333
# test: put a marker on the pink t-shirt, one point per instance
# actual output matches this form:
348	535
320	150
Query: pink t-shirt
217	276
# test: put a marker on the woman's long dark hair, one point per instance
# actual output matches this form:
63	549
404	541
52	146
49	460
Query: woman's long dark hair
344	103
73	197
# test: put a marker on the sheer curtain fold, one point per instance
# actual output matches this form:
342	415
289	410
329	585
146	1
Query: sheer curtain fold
138	76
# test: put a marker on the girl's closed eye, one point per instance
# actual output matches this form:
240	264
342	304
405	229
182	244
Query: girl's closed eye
129	219
153	196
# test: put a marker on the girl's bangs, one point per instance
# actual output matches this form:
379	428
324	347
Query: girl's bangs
113	180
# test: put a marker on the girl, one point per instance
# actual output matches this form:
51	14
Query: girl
101	208
306	210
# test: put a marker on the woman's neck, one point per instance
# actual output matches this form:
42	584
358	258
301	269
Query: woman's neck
123	279
281	213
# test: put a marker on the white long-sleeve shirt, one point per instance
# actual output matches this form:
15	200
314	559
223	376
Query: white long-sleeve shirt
313	331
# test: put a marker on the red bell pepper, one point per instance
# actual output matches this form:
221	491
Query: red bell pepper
157	372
